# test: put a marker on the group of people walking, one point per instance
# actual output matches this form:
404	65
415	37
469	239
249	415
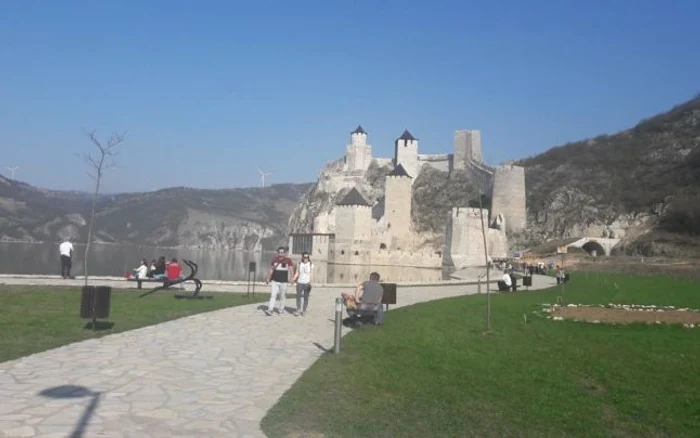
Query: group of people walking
281	274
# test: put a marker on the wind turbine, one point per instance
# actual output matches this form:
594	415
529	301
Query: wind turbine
12	171
263	175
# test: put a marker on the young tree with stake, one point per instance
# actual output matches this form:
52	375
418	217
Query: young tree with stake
99	163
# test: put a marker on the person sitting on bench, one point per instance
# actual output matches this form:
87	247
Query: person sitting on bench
366	299
159	272
506	282
142	270
174	270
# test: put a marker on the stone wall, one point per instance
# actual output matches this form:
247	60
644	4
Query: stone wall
364	253
508	198
481	175
442	162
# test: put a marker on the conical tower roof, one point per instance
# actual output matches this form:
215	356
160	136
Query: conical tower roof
353	198
399	170
359	130
407	136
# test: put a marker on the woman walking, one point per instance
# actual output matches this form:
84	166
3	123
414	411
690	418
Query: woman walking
303	279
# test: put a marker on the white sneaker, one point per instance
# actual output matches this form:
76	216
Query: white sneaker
267	312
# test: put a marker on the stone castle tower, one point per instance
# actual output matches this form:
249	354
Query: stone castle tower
406	153
359	153
508	197
353	218
467	146
465	241
397	202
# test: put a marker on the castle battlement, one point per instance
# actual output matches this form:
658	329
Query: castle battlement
362	255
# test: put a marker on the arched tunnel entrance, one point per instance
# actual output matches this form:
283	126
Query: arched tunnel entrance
594	248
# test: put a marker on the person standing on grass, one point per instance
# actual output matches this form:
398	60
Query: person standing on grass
280	274
66	251
303	280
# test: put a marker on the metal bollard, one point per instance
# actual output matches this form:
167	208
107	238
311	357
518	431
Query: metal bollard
338	324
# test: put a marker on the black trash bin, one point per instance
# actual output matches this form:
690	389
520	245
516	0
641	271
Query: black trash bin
102	296
527	281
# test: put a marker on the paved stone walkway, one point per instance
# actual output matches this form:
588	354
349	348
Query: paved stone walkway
209	375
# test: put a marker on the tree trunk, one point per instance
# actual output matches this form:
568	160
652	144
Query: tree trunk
92	220
486	259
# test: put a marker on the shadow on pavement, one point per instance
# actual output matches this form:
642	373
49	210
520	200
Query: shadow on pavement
73	391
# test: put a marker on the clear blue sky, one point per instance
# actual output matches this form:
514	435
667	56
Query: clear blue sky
208	91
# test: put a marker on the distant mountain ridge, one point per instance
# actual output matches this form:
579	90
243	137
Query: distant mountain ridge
240	218
641	185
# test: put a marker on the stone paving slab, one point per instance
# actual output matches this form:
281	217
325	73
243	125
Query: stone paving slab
214	374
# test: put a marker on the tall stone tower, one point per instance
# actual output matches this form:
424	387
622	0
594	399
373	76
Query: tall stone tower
397	202
464	240
467	145
359	153
406	153
353	219
508	197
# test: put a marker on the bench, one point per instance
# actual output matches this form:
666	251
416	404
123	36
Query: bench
166	282
139	281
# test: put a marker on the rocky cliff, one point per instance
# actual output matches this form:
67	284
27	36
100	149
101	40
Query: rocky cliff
242	219
641	185
323	195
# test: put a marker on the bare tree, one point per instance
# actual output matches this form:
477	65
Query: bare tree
99	163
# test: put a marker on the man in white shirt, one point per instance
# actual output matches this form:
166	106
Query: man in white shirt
506	283
66	251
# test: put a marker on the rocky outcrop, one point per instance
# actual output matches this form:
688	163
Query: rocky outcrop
628	185
203	229
320	200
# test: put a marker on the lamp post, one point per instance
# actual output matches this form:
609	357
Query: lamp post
338	325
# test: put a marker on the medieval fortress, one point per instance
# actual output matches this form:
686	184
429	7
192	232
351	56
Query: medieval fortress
353	231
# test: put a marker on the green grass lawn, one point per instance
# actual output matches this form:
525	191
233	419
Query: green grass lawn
37	318
430	371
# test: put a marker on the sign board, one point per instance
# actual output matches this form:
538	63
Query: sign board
251	267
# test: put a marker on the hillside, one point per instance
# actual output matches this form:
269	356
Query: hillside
245	218
642	185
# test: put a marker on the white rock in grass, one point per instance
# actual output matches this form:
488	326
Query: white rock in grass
558	318
571	305
595	321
